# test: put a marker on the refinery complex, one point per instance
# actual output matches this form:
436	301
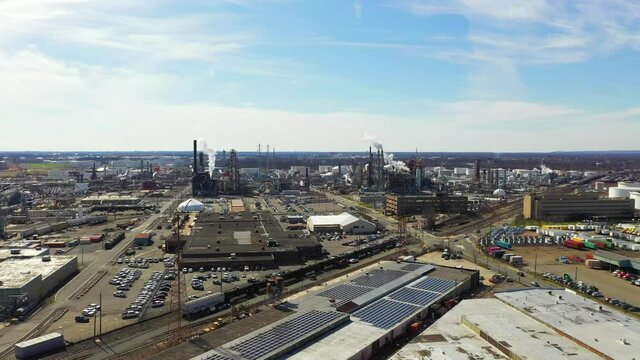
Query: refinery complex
371	255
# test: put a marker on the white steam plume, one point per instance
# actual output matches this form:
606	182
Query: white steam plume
373	141
211	154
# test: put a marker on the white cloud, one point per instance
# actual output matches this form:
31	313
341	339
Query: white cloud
540	31
91	108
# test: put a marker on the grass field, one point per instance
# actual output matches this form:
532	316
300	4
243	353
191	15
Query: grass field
43	166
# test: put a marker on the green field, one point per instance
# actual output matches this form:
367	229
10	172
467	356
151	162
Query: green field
43	166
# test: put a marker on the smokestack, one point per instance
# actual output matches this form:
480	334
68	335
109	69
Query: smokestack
195	156
370	169
201	156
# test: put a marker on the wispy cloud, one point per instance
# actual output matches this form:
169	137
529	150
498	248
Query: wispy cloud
540	31
357	9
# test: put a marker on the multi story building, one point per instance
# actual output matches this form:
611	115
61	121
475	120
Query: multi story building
440	203
567	207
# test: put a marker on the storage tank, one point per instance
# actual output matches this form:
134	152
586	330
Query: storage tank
203	304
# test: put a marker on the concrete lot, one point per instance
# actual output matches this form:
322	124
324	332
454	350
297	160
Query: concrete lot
435	258
607	284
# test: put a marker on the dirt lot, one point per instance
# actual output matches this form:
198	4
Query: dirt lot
434	258
546	262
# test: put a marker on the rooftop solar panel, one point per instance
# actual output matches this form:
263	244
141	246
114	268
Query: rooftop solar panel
217	357
377	277
385	313
284	333
414	296
411	267
345	292
435	284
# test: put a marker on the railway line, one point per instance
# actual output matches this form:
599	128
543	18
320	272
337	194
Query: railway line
37	330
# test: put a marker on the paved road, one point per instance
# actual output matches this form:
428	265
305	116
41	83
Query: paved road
12	334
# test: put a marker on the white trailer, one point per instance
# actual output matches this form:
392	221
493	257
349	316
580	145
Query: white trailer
203	304
41	345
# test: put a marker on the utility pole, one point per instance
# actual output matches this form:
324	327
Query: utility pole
100	304
535	266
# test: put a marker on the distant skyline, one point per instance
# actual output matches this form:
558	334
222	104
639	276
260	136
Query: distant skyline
458	75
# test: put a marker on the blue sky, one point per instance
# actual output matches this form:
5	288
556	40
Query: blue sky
459	75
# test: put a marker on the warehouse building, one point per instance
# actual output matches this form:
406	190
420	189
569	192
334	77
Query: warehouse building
343	223
110	199
439	203
569	207
245	239
353	318
25	282
490	329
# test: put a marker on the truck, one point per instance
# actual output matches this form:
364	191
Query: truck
41	345
208	303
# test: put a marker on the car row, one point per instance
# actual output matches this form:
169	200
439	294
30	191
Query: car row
124	280
224	269
88	312
588	289
632	278
154	292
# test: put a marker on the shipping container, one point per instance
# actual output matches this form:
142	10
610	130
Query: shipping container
55	244
502	244
573	244
72	243
41	345
498	254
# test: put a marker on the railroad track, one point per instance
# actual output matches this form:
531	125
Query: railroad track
91	282
38	330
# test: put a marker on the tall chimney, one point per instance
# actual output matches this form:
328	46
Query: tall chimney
195	156
201	155
370	170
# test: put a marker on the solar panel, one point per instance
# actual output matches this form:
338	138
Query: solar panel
377	277
435	284
411	267
385	313
284	333
217	357
345	292
414	296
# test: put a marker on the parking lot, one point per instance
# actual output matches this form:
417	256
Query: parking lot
113	307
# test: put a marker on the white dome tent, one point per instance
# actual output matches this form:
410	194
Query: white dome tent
191	205
499	193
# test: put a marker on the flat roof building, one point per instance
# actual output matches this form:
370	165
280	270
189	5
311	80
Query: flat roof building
442	203
353	317
568	207
490	329
25	282
343	223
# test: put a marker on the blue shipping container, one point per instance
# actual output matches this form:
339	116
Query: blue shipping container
504	245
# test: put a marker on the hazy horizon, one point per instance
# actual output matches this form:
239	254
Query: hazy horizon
442	76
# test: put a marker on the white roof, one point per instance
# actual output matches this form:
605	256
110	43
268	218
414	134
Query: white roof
581	318
191	205
343	219
453	337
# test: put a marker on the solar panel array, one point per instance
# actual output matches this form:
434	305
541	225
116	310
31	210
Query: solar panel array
345	292
435	284
414	296
284	333
377	277
385	313
217	357
411	267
